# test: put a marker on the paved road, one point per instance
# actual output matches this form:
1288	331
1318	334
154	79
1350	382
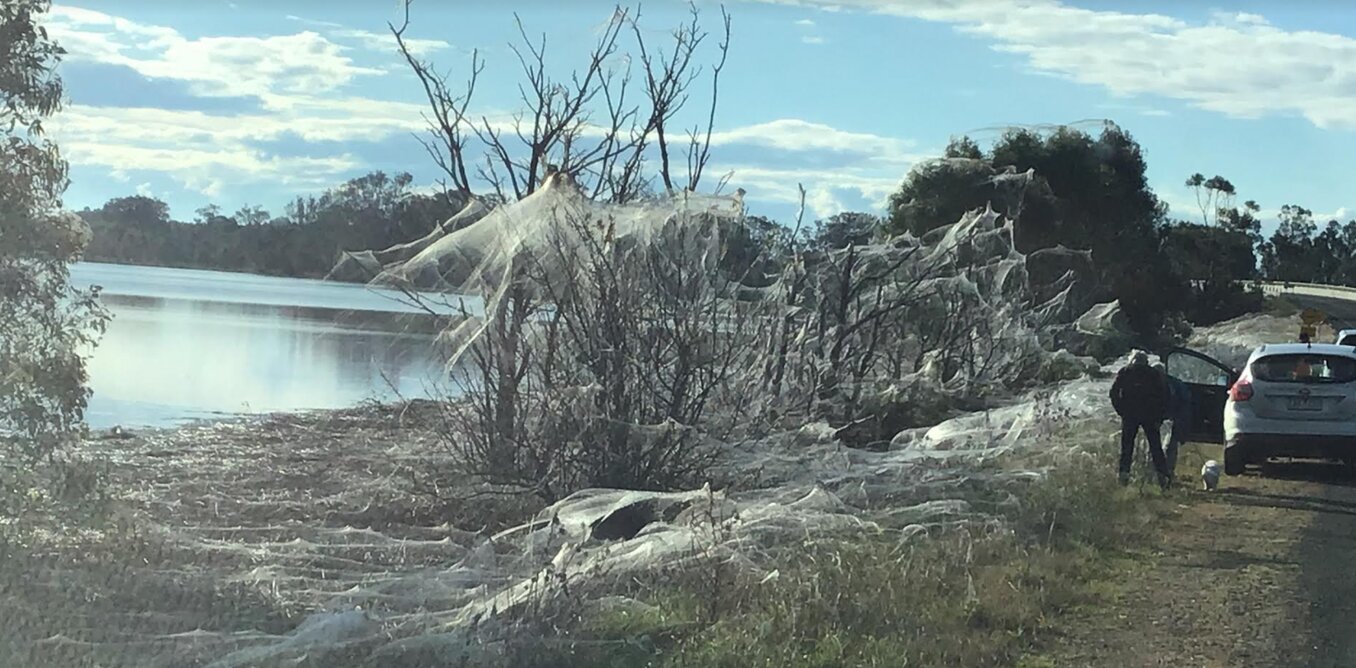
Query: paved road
1341	313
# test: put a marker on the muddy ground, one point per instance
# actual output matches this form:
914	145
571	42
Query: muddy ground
1259	573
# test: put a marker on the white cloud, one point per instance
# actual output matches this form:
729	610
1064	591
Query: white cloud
208	171
823	188
1239	65
144	189
799	135
823	202
205	151
1341	215
1142	110
875	169
808	24
305	62
298	80
313	22
382	41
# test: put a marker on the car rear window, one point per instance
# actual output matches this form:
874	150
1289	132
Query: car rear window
1304	368
1348	340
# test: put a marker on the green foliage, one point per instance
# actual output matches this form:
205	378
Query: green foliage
1298	251
1214	196
45	325
1215	258
938	193
136	210
963	147
374	211
848	227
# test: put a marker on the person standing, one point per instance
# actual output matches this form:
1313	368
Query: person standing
1179	411
1139	396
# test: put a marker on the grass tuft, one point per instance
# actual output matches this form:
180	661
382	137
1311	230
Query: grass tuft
974	595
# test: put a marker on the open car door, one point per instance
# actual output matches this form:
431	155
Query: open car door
1208	380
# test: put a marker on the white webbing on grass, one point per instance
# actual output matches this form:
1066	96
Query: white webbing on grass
424	590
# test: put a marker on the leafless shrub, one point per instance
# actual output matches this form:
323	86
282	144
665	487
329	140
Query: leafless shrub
626	360
588	125
864	328
600	363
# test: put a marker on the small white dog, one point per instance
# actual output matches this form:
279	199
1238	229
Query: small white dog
1210	474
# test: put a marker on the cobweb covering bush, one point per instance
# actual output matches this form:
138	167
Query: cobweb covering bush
622	345
606	342
600	336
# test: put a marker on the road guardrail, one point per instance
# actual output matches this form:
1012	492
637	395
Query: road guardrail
1306	289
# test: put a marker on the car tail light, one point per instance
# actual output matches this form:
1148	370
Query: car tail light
1241	390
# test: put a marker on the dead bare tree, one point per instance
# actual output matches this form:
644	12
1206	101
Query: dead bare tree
586	125
602	356
447	116
699	148
604	368
593	129
863	329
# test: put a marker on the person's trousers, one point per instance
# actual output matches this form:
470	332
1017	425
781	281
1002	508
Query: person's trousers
1181	425
1153	433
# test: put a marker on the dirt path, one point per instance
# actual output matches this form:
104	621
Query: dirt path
1261	573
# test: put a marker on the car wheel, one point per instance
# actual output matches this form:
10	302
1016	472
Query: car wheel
1234	463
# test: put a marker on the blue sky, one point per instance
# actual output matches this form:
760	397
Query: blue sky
246	101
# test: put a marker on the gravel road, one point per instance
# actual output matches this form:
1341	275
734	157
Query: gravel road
1260	573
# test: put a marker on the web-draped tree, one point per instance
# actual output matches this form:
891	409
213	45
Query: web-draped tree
615	130
45	324
1083	192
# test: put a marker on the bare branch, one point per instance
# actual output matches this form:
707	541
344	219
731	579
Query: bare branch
585	124
448	111
702	149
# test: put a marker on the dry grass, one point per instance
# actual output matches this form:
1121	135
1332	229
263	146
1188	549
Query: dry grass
209	538
967	596
203	527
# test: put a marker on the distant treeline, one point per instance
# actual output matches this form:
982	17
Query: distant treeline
1300	252
372	211
1065	188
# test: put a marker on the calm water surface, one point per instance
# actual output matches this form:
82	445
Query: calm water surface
188	344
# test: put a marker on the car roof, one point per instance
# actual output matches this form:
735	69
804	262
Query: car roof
1303	348
1343	332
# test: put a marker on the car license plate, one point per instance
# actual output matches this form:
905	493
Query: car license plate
1305	404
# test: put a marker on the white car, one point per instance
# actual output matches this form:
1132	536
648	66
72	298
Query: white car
1346	337
1292	400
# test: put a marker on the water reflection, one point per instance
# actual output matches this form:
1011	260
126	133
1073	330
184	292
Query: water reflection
169	359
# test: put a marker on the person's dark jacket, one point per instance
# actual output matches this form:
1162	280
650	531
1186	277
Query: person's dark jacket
1139	393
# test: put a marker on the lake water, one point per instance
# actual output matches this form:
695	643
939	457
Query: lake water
188	344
